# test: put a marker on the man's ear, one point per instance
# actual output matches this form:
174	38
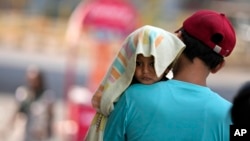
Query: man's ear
179	34
218	67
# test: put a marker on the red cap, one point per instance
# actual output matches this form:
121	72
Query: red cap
205	24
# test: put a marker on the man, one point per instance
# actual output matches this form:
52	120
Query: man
184	108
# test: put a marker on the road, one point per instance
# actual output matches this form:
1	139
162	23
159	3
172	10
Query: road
14	63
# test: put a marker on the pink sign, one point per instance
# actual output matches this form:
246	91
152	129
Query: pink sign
112	14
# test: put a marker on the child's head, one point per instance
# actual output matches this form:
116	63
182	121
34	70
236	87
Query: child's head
130	67
145	71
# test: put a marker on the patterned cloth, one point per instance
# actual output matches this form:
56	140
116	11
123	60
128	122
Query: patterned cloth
164	46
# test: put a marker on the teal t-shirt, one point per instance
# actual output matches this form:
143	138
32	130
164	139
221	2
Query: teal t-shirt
169	111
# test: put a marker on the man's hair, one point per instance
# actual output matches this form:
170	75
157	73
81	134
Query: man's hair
195	48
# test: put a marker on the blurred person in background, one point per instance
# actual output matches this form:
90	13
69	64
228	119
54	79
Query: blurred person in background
35	104
240	111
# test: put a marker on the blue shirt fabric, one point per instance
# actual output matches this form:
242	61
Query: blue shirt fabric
169	111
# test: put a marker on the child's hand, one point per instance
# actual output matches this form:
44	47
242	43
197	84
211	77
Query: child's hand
96	100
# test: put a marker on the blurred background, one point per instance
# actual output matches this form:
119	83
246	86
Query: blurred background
74	41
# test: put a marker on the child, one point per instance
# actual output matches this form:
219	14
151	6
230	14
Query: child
145	71
145	57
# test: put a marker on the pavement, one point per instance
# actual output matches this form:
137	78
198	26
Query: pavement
13	131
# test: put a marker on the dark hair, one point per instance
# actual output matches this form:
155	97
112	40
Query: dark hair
195	48
35	79
240	111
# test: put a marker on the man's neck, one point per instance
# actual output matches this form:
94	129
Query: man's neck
195	72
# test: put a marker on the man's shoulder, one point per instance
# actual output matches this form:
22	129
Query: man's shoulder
139	90
219	100
218	106
142	87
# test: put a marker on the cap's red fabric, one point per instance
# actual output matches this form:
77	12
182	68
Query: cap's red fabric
204	24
